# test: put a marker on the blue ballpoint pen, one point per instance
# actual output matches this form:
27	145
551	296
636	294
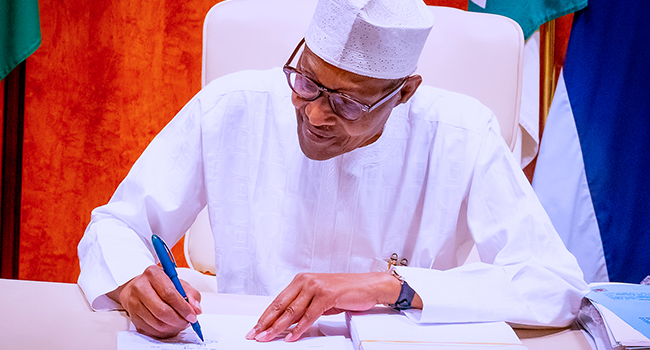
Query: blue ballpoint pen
169	266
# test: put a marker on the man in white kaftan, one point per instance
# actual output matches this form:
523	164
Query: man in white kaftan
437	180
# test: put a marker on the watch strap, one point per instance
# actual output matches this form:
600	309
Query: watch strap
406	294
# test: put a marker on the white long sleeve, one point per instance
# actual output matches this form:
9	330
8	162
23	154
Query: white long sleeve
526	277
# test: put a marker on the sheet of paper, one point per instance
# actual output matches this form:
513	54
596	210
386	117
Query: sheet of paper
621	331
225	332
630	302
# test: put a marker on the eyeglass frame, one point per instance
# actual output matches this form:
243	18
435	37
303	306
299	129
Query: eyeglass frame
364	107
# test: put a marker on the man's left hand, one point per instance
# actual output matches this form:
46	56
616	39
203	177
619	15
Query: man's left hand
311	295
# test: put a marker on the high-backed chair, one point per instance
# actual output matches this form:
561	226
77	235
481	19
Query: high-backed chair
480	55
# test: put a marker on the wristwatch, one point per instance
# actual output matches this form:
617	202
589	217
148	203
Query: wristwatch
406	294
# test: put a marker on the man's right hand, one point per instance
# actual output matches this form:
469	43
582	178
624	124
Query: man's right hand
156	308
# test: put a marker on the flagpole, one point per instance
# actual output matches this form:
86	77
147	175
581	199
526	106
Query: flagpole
547	80
11	181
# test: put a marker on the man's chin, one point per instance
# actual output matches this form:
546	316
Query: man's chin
316	149
315	154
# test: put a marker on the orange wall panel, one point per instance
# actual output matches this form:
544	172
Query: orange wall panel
106	79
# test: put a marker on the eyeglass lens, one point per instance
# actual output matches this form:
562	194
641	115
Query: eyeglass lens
308	90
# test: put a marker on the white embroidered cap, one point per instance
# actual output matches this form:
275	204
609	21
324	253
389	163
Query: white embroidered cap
374	38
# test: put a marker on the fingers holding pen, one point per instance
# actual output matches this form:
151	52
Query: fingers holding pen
155	306
193	297
174	305
149	324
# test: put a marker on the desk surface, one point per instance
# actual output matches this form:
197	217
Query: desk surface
56	316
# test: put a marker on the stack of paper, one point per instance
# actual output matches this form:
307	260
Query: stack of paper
617	315
383	329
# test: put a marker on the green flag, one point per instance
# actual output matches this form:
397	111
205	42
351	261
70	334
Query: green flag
20	32
530	14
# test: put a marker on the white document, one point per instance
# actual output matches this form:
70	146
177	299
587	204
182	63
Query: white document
225	332
376	331
622	332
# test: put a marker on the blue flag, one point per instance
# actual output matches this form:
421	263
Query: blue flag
594	161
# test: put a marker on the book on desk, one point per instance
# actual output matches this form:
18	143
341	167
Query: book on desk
384	328
617	316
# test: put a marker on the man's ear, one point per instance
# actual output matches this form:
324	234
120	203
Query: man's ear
412	83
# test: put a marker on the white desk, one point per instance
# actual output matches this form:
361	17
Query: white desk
45	315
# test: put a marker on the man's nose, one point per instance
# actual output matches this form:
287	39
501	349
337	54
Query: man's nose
320	112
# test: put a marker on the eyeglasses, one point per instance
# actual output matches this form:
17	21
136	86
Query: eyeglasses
343	105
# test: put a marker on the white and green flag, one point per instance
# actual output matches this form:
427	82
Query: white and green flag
20	32
530	14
